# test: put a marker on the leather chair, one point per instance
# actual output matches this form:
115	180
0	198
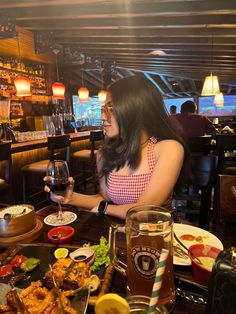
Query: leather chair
225	148
199	144
84	162
6	192
58	148
202	174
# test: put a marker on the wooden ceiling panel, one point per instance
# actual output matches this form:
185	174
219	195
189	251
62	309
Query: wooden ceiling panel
197	36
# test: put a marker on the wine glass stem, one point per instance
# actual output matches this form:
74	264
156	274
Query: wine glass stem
59	217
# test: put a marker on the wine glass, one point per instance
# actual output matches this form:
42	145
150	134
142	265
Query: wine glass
57	180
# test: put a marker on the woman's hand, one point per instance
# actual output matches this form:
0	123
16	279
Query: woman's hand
59	198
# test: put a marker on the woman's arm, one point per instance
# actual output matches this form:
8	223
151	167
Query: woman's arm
169	155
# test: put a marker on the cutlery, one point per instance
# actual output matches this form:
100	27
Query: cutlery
181	243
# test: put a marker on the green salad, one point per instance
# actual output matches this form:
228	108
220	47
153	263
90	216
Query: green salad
101	257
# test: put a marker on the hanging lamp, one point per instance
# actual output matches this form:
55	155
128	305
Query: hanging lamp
219	100
21	83
58	88
102	95
211	84
83	92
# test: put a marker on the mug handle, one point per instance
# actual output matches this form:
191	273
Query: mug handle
118	264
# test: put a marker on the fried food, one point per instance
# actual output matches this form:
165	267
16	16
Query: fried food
42	298
39	300
68	274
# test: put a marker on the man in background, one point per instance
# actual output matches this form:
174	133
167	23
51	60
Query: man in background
173	109
192	124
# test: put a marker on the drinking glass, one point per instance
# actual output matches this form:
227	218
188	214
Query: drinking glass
148	229
57	180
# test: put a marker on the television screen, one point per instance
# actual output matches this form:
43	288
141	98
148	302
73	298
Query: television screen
87	112
207	107
175	101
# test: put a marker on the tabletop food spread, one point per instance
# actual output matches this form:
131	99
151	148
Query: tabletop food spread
38	280
190	235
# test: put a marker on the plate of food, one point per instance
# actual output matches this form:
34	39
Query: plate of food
55	271
190	235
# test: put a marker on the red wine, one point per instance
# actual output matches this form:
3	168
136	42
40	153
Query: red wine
58	186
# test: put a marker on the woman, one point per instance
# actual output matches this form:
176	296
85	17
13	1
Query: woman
142	155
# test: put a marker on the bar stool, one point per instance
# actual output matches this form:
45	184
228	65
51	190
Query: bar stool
33	173
84	162
202	174
6	192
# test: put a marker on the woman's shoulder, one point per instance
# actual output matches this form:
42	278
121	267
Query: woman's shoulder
168	146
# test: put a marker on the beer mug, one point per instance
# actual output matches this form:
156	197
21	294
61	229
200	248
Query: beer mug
148	229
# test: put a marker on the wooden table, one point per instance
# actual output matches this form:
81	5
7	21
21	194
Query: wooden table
89	228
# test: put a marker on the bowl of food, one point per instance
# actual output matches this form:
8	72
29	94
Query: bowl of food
61	234
203	258
17	220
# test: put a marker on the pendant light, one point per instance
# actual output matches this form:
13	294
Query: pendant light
102	95
21	83
58	88
211	83
219	100
83	92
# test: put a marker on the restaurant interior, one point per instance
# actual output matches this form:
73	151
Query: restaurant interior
57	59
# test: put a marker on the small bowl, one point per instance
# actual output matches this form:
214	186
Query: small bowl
61	234
201	274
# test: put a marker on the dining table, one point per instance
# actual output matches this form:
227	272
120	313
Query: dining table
89	227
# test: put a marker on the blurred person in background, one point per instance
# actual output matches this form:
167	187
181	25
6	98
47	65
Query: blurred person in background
192	124
173	109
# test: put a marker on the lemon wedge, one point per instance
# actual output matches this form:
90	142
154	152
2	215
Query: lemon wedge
111	303
94	283
61	253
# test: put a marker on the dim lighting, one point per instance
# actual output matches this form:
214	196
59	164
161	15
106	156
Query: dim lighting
102	95
219	100
58	88
83	93
21	83
211	86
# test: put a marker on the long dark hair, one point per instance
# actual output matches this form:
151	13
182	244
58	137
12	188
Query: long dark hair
137	105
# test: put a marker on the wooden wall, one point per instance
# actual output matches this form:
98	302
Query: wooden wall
9	47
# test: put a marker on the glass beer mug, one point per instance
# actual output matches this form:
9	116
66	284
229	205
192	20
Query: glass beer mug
148	229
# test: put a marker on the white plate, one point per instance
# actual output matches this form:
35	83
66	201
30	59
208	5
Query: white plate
67	218
207	238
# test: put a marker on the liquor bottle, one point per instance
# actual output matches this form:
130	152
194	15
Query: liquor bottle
6	133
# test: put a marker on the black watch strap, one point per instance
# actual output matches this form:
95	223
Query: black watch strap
102	207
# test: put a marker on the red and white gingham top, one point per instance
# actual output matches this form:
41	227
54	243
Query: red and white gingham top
127	189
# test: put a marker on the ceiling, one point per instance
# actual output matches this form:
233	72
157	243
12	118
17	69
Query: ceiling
196	36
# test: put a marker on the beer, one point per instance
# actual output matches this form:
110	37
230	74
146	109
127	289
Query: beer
148	231
143	253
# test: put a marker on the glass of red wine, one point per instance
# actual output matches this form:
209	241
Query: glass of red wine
58	180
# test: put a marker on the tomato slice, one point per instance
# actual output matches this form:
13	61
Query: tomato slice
6	270
18	260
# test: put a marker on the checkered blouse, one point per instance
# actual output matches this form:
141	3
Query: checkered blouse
127	189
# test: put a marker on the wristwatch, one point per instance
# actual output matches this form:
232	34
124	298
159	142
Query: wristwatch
102	208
